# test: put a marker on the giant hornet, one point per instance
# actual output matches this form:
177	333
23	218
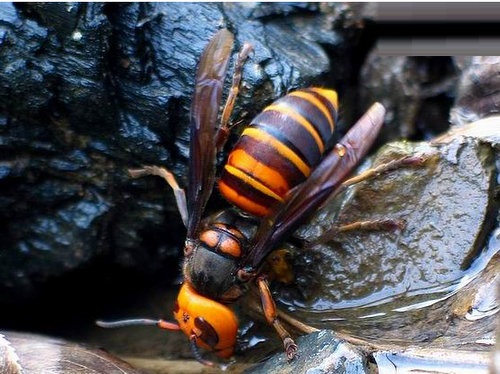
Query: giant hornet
276	175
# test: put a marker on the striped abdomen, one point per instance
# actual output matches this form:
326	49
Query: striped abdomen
279	149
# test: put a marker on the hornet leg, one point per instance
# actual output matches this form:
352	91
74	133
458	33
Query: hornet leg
271	315
180	196
380	224
384	168
224	128
387	224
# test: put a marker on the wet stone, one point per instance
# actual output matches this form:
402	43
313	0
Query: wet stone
32	353
320	352
444	204
417	92
478	96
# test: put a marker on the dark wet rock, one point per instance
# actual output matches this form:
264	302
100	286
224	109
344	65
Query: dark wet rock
56	68
425	95
89	90
417	92
478	94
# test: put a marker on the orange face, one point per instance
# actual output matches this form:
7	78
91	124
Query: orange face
212	324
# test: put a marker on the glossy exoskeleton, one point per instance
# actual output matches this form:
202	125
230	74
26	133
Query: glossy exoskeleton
278	173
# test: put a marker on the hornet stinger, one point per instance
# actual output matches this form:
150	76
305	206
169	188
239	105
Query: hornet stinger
278	173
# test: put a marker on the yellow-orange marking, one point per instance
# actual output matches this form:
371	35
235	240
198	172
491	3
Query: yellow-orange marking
252	182
241	201
284	109
330	95
281	148
253	167
318	104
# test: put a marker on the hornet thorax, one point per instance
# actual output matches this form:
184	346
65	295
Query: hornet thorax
213	260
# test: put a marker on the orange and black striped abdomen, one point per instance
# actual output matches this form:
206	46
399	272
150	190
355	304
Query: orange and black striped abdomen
279	149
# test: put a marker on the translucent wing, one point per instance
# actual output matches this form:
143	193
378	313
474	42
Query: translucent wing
210	76
323	182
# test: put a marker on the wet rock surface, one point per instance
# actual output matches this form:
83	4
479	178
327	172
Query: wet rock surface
321	352
417	92
478	95
30	353
440	229
108	87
